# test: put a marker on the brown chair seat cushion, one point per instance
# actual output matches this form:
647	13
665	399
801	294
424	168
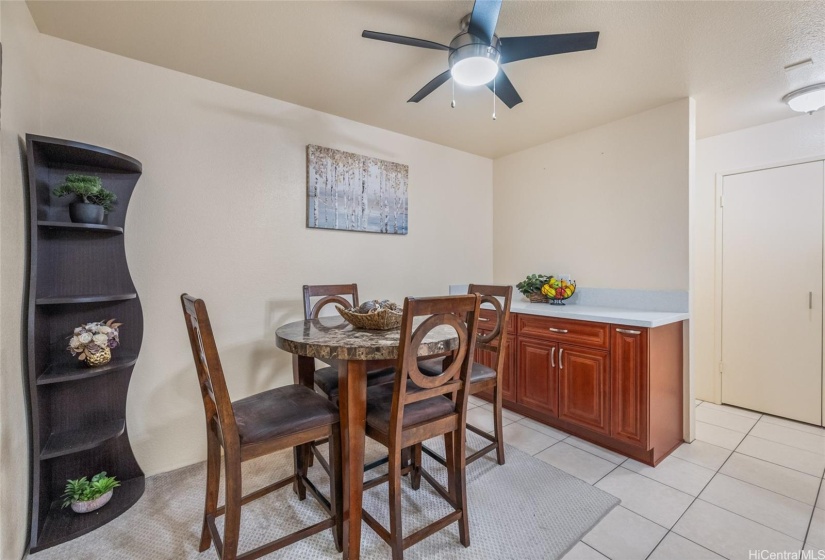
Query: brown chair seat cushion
379	407
280	412
327	379
434	367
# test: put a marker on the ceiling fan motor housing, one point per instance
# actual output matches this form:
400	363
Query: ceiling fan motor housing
466	45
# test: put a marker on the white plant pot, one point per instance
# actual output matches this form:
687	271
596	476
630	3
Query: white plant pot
92	505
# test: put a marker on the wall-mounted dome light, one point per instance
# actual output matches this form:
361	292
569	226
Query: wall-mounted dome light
808	99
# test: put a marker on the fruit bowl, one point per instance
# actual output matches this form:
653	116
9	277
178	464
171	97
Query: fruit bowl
557	290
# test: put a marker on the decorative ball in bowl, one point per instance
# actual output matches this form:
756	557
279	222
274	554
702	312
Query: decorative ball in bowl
558	290
373	315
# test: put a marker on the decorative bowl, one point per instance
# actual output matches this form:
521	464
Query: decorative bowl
379	320
92	505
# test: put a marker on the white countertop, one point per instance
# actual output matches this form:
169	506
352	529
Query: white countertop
614	315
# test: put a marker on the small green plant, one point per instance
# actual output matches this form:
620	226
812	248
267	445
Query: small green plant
84	490
88	189
532	284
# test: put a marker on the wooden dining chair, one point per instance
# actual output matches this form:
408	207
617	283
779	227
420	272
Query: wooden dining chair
326	378
281	418
417	407
483	377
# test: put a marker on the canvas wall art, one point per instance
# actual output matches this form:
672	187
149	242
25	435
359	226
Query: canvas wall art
352	192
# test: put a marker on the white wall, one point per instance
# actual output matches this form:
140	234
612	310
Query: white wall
778	142
220	212
608	206
20	114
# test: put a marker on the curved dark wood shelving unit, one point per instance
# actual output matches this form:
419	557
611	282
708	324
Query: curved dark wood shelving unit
77	414
88	227
74	441
63	525
73	371
62	300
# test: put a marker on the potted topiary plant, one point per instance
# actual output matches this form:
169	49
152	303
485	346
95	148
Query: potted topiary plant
93	201
85	495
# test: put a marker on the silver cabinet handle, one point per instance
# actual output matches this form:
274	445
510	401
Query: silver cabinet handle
561	364
483	319
628	331
553	357
560	331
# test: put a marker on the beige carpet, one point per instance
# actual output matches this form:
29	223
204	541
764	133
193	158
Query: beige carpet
525	509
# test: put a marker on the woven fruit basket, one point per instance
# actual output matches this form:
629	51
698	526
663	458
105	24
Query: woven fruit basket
376	320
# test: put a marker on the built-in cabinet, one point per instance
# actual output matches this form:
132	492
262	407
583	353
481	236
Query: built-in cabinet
617	386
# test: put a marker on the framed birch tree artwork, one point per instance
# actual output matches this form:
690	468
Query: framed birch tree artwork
351	192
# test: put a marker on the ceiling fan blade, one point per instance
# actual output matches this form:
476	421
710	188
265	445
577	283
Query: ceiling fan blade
505	90
401	40
433	85
520	48
484	18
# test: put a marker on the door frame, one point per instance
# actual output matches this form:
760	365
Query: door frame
718	257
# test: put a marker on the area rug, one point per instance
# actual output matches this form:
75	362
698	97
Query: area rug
524	509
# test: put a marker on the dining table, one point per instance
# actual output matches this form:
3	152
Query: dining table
355	351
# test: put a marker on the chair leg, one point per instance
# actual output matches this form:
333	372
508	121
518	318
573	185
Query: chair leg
460	465
415	476
213	480
299	453
396	534
336	490
232	518
406	457
449	456
498	423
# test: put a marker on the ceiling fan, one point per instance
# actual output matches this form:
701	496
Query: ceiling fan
476	53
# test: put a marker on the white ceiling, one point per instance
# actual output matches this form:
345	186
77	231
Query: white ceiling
728	55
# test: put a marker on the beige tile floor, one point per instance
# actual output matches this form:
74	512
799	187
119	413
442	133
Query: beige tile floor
748	482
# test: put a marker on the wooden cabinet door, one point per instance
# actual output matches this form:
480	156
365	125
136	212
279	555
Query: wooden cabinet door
629	385
537	385
584	387
508	376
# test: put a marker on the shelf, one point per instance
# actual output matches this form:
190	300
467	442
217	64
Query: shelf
73	441
84	227
59	300
62	524
74	371
55	152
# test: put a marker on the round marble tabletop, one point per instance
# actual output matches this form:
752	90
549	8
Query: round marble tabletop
334	338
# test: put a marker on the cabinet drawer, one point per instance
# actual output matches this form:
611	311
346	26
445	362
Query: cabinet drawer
487	320
584	333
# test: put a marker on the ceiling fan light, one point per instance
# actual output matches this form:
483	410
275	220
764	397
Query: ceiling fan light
474	71
808	99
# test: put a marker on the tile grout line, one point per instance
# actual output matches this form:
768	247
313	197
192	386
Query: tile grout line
792	428
593	549
813	512
771	462
699	494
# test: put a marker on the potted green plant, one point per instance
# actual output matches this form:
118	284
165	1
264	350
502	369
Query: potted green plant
85	495
93	201
531	287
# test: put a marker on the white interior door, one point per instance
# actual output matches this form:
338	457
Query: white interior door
772	240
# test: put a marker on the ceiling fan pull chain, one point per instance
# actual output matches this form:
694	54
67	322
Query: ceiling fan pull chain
453	103
494	99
